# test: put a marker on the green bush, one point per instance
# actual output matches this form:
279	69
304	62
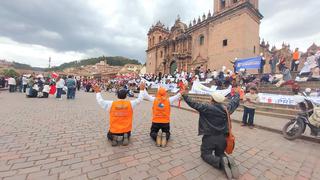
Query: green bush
10	73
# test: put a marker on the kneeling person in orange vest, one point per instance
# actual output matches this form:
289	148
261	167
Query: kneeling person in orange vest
121	115
161	115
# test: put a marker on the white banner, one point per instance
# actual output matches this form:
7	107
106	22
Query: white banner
284	99
198	88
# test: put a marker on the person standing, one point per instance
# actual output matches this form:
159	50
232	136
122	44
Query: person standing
161	115
295	60
71	85
59	85
213	125
273	63
24	83
263	62
12	84
251	99
121	115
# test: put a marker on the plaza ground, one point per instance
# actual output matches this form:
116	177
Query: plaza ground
53	139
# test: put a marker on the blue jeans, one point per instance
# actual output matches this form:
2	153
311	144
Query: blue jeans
248	112
59	92
71	93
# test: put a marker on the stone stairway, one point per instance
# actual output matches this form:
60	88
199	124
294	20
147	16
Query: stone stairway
272	110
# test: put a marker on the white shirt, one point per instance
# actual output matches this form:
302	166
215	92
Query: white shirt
172	99
24	80
46	88
11	81
105	104
60	83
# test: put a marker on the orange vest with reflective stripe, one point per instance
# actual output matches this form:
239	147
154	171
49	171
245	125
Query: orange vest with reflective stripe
121	117
295	55
161	111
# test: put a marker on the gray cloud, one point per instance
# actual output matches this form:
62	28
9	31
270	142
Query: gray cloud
77	26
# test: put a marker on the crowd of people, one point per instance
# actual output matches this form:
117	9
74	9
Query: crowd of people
244	87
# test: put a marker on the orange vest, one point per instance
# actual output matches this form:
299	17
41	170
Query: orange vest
121	116
161	111
295	55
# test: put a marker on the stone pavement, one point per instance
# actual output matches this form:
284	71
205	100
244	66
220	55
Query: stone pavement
52	139
272	124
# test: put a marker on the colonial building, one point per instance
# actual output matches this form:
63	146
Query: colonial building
213	40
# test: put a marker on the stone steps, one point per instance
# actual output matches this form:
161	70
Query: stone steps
272	110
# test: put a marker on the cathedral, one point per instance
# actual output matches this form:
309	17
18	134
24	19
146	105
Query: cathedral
211	41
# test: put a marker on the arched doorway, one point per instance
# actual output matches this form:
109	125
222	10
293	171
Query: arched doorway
173	67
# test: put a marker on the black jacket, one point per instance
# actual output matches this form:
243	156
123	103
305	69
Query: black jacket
213	117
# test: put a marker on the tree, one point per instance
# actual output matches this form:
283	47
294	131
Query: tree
10	73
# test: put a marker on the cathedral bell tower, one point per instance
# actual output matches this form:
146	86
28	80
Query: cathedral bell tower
221	5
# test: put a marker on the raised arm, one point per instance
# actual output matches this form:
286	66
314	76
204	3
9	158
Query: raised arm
138	100
147	96
234	103
195	105
140	96
174	98
103	103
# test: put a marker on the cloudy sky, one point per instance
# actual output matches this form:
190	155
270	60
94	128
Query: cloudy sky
68	30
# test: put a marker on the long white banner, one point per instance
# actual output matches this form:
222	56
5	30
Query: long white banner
284	99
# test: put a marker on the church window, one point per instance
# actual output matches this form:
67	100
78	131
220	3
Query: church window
225	42
161	54
160	39
223	4
254	49
201	40
153	40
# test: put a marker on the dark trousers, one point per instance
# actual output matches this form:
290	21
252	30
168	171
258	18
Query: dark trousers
294	66
70	93
59	92
155	127
216	144
12	88
110	134
24	88
45	95
248	112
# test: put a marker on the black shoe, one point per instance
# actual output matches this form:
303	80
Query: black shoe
125	139
114	140
225	167
234	168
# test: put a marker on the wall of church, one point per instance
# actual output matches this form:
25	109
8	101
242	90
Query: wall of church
200	48
151	61
240	33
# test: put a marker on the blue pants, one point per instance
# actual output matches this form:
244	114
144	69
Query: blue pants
71	93
59	92
248	112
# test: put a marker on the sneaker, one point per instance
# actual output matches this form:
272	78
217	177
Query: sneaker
164	139
251	126
243	124
114	141
158	140
234	168
225	167
125	139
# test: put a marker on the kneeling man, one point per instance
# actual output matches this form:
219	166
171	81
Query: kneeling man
121	115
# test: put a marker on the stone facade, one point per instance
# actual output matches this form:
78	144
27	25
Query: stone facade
213	40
